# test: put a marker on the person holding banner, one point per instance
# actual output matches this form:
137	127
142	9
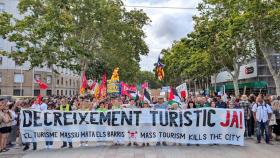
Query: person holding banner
262	114
161	105
64	106
131	105
146	105
36	106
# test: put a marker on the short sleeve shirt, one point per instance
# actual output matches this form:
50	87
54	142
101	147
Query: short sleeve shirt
262	111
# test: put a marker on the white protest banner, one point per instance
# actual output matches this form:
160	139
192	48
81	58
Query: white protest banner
193	126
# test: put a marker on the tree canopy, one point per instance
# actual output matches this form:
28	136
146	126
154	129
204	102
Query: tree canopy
77	34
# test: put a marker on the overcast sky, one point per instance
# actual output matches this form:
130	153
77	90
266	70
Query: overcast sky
167	25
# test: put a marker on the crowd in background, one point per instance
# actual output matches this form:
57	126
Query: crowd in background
261	113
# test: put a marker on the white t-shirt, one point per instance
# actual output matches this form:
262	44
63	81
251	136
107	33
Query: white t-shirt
262	111
36	106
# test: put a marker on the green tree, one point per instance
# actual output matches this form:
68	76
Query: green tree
264	17
222	31
147	76
75	34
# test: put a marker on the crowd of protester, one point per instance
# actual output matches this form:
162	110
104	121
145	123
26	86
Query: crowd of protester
261	113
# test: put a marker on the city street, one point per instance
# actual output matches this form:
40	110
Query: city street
251	149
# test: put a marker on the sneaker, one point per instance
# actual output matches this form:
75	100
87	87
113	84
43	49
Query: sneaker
34	148
5	150
135	144
158	144
70	146
129	144
143	144
164	144
269	143
25	148
63	146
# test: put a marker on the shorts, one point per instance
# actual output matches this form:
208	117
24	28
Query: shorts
5	130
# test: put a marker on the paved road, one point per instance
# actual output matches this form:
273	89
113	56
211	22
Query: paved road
251	149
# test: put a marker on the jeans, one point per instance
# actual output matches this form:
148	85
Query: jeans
65	144
251	128
49	143
262	126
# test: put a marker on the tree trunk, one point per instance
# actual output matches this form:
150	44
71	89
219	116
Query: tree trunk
236	86
215	81
275	73
277	84
235	76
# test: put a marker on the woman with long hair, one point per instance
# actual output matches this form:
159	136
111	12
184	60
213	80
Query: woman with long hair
5	126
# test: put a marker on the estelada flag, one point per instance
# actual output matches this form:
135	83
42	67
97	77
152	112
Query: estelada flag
42	85
159	70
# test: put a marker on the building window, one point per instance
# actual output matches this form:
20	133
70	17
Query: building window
2	7
0	92
70	82
66	92
37	77
18	78
1	59
37	92
61	92
49	79
0	77
61	81
66	82
18	92
57	81
57	92
69	92
49	92
74	83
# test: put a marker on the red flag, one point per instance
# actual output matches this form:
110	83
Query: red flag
103	86
84	80
92	85
42	85
171	94
144	85
38	99
183	94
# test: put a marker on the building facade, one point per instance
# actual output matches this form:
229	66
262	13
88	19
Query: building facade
20	80
254	77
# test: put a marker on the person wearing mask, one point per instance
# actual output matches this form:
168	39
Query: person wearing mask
262	114
64	106
161	105
220	103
